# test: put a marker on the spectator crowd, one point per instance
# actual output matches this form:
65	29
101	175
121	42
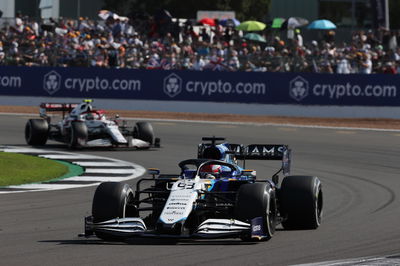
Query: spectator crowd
148	43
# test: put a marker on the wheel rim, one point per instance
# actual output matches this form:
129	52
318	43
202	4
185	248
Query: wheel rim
270	216
127	198
28	133
71	140
318	207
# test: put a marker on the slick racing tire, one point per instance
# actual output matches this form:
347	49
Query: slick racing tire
144	131
36	131
78	135
110	201
257	200
301	202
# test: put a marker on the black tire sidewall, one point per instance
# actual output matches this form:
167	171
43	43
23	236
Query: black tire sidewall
253	200
36	131
77	131
144	131
110	200
301	202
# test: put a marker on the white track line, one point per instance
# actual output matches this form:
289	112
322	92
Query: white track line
370	261
41	186
24	150
67	156
97	164
108	171
134	172
243	123
96	178
264	124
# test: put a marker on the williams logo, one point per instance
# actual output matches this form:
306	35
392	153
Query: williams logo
52	82
172	85
298	88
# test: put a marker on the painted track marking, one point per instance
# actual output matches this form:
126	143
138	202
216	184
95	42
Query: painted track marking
97	169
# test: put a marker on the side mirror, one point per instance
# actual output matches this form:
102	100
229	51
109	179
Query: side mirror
275	179
153	172
249	173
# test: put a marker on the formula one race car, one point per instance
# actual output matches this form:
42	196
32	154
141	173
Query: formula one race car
83	126
212	197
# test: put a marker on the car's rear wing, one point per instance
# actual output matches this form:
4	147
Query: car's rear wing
259	151
264	152
250	152
65	108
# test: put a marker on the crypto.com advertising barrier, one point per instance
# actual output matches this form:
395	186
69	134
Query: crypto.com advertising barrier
238	87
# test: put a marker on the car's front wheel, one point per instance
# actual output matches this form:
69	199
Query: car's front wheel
257	200
144	131
78	135
111	201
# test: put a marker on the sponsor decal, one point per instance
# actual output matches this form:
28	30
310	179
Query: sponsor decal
176	208
172	85
257	228
177	203
173	213
298	88
10	82
268	150
52	82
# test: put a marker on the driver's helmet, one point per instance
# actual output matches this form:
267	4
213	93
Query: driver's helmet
214	169
92	116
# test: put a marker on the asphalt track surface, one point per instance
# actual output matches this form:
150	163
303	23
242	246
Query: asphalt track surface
359	171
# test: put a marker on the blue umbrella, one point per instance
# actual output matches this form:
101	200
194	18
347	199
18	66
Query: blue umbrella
229	22
254	37
322	24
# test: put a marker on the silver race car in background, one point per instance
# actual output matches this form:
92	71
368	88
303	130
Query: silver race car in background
211	197
84	126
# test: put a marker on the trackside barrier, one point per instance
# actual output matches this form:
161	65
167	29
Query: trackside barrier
202	86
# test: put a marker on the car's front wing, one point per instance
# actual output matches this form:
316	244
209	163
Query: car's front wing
211	228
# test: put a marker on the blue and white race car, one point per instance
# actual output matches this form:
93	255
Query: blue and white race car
212	197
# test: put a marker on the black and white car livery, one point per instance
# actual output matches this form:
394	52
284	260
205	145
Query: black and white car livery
84	126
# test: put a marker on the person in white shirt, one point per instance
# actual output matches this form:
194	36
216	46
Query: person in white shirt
299	38
366	64
343	65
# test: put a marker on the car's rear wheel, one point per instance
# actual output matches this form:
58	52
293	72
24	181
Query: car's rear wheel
78	135
257	200
36	132
144	131
301	202
111	201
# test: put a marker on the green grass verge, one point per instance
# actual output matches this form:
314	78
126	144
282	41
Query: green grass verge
16	169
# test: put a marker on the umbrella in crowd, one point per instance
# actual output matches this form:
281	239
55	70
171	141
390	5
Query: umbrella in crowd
163	15
322	24
294	22
254	37
229	22
251	25
207	21
277	23
106	14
